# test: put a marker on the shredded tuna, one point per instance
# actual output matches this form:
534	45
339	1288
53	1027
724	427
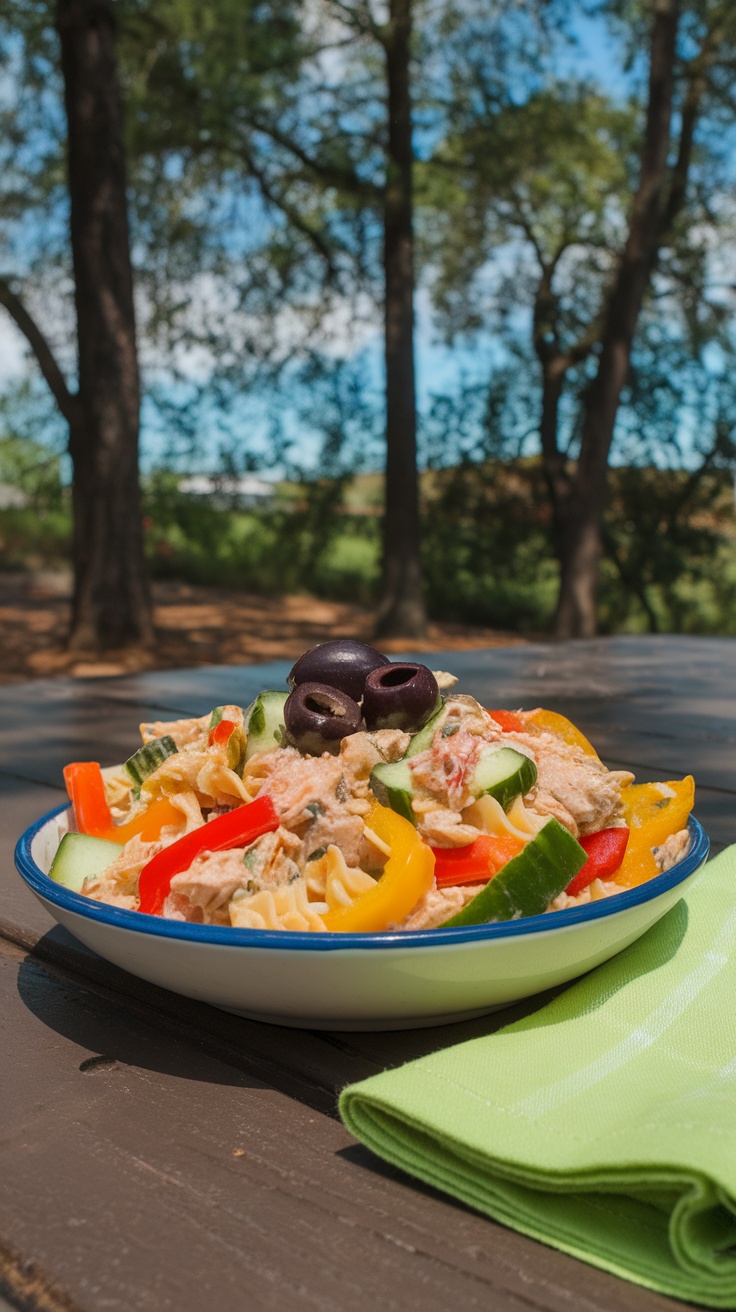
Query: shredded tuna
672	850
324	855
185	733
437	906
575	788
442	828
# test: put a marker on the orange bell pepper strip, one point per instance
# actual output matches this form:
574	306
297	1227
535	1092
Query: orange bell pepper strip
406	877
148	824
553	722
652	812
86	788
477	862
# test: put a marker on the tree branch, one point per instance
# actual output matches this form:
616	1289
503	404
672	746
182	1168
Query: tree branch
293	215
697	83
344	179
358	18
68	402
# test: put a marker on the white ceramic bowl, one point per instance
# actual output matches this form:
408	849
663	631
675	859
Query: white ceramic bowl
356	981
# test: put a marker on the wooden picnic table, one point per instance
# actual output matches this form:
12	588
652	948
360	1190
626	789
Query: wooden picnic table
160	1154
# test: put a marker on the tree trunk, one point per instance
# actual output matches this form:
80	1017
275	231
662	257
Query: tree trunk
401	611
111	604
582	538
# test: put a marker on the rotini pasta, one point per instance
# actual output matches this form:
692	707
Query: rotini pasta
326	845
287	907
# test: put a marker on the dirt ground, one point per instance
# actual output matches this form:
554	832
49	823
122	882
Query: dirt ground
195	626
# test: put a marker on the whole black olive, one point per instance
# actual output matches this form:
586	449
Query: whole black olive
318	717
341	664
401	695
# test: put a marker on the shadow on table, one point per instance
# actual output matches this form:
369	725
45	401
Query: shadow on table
118	1018
135	1025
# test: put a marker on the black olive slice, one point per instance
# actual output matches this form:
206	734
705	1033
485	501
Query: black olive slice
400	695
342	663
317	717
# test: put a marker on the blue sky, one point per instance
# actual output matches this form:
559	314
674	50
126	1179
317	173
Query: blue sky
594	55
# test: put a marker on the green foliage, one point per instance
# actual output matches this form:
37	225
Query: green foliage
486	551
37	532
33	470
671	548
670	567
300	547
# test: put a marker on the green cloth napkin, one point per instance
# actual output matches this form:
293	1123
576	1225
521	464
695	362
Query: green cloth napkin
605	1123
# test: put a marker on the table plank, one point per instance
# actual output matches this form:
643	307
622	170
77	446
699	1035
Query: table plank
642	699
142	1173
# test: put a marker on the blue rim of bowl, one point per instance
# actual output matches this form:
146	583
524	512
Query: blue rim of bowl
296	940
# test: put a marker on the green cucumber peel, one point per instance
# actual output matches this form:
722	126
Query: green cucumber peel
527	884
264	722
505	774
148	758
391	784
80	857
422	740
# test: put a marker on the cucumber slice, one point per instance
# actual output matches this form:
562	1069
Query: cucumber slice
526	885
80	857
392	785
148	758
264	722
504	773
422	741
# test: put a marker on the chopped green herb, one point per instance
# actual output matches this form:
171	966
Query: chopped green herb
250	858
449	730
315	809
317	853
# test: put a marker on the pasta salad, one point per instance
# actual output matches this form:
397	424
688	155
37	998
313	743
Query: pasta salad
370	796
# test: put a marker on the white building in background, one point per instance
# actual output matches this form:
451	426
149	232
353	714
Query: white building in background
244	491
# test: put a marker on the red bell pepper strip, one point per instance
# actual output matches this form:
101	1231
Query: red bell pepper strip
508	721
86	789
235	828
221	732
475	863
606	851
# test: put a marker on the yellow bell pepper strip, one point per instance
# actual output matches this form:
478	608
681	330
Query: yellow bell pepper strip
237	828
652	812
553	722
407	876
86	788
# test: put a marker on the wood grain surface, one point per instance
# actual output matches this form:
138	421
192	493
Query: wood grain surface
158	1154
